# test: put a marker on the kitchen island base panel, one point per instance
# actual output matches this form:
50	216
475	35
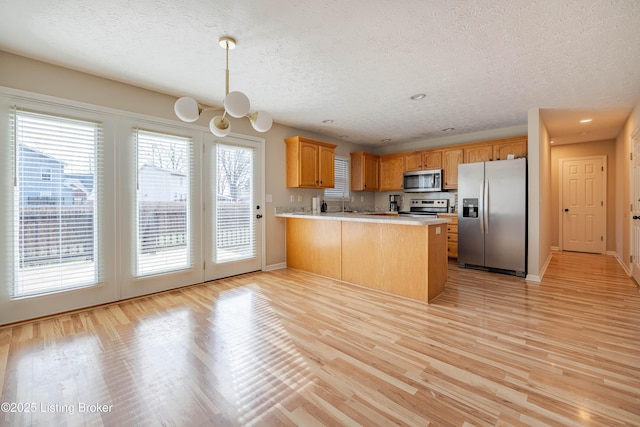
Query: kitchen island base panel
405	260
314	246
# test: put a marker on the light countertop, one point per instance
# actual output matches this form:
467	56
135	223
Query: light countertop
365	217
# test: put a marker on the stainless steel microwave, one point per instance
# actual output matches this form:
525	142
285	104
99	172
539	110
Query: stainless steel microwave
423	181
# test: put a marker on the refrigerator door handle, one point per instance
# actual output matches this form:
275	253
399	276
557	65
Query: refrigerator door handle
485	198
481	207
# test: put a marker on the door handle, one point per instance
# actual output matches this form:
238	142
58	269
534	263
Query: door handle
486	207
566	210
258	216
636	217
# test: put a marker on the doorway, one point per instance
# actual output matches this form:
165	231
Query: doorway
233	241
583	204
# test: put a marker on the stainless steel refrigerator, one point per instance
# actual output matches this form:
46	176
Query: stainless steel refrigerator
492	216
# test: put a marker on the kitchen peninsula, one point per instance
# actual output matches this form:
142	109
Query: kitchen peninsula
405	256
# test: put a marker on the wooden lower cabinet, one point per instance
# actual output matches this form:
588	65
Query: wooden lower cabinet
452	237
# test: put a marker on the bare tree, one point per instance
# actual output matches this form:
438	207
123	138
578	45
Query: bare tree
167	156
234	172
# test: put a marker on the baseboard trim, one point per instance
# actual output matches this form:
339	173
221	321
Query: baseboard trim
272	267
538	278
622	264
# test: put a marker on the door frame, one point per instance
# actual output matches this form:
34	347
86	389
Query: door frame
635	137
560	195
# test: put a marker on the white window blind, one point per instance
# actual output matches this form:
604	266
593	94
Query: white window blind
58	176
164	165
235	220
340	190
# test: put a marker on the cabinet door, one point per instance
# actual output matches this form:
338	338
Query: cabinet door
391	169
502	151
432	160
481	153
370	172
413	162
308	165
326	167
451	159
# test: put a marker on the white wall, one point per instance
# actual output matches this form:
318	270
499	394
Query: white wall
539	209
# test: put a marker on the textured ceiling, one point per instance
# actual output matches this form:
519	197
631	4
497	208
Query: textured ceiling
481	63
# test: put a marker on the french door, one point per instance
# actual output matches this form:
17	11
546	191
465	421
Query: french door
233	207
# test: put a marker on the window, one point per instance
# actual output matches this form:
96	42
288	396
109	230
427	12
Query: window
235	223
341	186
163	218
57	193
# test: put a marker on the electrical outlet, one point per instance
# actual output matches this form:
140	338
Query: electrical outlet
299	199
292	198
438	230
362	198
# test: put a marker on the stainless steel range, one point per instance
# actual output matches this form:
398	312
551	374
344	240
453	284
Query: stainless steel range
429	207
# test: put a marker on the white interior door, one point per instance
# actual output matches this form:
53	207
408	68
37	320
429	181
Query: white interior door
233	207
635	207
583	204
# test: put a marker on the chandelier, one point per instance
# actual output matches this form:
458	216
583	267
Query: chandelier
236	104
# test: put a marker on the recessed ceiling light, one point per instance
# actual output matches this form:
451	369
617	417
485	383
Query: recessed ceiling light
327	122
585	120
385	140
418	96
551	142
448	129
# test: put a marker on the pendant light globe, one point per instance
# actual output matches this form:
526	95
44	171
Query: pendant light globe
187	109
237	104
220	126
261	121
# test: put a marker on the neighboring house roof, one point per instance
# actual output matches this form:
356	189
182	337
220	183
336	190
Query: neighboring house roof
24	147
173	172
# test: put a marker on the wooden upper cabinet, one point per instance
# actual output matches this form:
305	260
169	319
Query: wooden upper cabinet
432	160
309	163
421	160
479	153
326	168
391	170
450	161
364	171
516	147
498	149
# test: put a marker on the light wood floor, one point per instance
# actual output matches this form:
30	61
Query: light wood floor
289	348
